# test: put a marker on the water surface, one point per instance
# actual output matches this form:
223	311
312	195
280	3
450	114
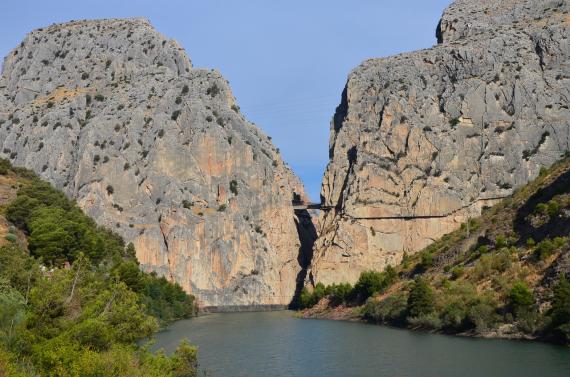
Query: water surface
276	344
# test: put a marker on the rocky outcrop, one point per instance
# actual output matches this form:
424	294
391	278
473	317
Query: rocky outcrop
114	114
424	140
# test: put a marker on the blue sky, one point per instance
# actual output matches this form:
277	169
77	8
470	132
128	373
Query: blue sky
287	61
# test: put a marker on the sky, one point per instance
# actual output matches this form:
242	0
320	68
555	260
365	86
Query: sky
287	61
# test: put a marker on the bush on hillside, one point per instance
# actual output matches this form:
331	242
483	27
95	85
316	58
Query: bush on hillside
421	300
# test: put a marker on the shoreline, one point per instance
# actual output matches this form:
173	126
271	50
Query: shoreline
351	314
242	308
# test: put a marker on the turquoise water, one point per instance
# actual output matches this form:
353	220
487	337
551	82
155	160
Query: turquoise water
275	344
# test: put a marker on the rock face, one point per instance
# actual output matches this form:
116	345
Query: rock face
113	113
424	140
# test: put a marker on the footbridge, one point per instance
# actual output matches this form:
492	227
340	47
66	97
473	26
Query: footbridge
300	206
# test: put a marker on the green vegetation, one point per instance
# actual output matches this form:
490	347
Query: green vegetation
506	269
175	115
234	187
421	299
560	311
213	90
454	122
75	303
368	284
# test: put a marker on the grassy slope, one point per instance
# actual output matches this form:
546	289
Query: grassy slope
522	239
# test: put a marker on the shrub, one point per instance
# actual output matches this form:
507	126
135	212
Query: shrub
457	272
545	248
161	133
234	187
559	242
483	315
560	310
339	293
426	260
421	300
520	296
99	97
371	282
185	89
553	208
454	122
213	90
390	310
427	321
175	115
222	208
310	299
500	241
483	249
186	204
5	166
110	190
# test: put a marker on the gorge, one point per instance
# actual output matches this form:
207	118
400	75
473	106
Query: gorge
115	115
144	216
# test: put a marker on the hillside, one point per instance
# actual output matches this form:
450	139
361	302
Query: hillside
424	140
114	114
72	299
503	274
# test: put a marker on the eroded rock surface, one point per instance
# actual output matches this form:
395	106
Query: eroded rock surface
424	140
114	114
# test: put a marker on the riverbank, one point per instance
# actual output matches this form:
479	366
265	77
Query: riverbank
324	311
279	344
241	308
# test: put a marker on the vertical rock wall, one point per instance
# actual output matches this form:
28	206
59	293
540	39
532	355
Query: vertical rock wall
114	114
422	141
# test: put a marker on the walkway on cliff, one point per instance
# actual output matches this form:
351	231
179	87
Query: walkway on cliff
303	206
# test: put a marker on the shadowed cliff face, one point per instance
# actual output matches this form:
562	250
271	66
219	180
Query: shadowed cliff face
307	236
424	140
113	113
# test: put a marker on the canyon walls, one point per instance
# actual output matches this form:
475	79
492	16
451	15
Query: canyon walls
424	140
114	114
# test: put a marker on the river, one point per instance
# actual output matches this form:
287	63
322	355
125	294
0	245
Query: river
276	344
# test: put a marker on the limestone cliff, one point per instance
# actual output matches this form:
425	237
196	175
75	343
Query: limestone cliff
422	141
114	114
